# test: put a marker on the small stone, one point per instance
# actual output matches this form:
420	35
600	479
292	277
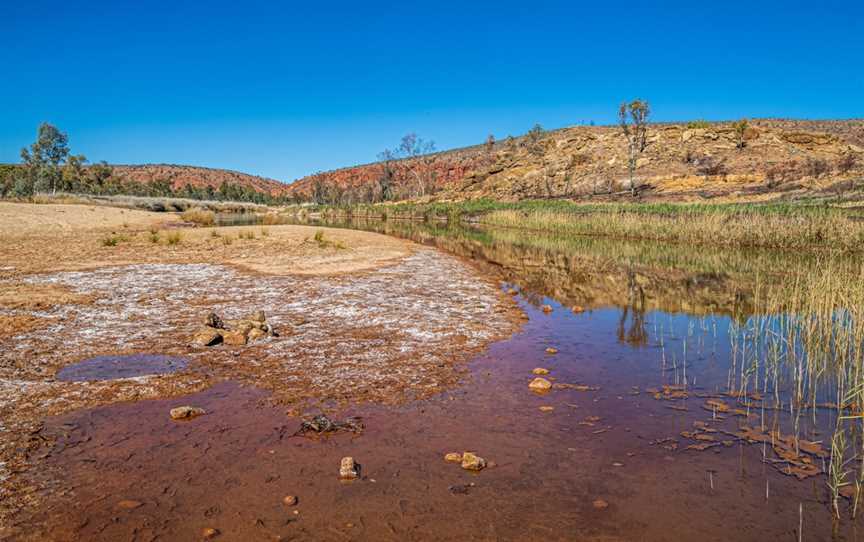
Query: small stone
129	504
547	308
540	371
547	408
186	412
453	457
551	350
512	291
257	316
207	336
234	338
213	320
578	309
349	469
471	461
256	333
600	504
540	384
209	532
617	464
290	500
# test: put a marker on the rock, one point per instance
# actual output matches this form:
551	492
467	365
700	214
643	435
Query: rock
540	371
471	461
213	320
453	457
600	504
209	532
547	308
547	408
255	334
290	500
641	162
686	135
551	350
234	338
207	336
577	309
128	504
349	469
540	384
257	316
186	412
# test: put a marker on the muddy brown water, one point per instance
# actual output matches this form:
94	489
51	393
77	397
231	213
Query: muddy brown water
650	316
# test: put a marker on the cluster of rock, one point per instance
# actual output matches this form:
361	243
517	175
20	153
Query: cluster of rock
467	460
233	332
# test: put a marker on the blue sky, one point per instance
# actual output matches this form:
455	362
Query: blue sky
284	89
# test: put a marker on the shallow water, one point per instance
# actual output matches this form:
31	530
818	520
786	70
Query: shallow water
646	315
114	367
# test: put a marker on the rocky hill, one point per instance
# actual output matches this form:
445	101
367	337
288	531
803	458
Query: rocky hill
686	161
198	177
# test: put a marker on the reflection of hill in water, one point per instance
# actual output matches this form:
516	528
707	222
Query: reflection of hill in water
596	273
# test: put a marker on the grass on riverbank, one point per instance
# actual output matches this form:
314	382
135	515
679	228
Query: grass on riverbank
784	226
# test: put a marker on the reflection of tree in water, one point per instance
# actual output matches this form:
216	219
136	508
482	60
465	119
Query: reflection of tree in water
635	334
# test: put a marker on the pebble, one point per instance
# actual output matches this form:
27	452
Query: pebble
547	308
547	408
472	461
600	504
540	371
617	464
453	457
551	350
290	500
209	532
129	504
540	384
186	412
348	469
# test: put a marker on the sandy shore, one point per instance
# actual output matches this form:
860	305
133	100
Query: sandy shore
361	317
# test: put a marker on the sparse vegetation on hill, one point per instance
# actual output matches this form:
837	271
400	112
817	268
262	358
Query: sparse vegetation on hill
746	160
49	167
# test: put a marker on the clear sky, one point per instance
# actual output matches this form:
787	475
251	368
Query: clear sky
284	89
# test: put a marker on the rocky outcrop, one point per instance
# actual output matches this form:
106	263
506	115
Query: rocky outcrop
233	332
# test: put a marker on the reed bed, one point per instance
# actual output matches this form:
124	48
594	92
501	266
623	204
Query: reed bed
804	351
828	228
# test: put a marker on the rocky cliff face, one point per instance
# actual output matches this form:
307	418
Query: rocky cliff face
680	161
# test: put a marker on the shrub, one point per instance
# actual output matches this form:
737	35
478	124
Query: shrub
199	216
700	124
112	240
847	163
154	237
227	240
817	167
783	172
710	166
174	238
248	234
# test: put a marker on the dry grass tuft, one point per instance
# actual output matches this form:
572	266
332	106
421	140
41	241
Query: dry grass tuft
200	216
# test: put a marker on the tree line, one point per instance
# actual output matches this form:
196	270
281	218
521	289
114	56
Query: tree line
48	166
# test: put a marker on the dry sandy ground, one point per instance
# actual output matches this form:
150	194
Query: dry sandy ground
361	316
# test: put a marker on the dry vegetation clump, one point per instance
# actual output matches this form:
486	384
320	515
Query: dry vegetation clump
174	238
200	216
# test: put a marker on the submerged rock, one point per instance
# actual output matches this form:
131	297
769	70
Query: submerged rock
453	457
547	308
209	532
551	350
129	504
600	504
186	412
290	500
471	461
540	384
349	469
540	371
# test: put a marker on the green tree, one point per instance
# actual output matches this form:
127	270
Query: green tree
44	157
740	128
